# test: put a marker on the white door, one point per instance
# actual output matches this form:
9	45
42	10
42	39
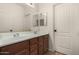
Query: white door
67	26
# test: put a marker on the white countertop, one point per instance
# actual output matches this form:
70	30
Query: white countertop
8	41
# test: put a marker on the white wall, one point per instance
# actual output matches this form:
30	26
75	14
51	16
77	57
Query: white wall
48	8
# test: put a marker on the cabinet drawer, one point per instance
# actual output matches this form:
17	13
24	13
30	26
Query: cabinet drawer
15	48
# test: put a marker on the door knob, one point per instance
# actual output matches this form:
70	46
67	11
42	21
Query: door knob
55	30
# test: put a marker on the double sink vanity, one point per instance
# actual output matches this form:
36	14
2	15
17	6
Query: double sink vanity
24	43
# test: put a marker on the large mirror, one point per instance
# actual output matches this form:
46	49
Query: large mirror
16	17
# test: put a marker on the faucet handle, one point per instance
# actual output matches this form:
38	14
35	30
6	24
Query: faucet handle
11	30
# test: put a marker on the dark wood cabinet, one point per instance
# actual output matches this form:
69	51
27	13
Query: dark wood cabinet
40	45
16	48
34	46
43	43
46	43
24	52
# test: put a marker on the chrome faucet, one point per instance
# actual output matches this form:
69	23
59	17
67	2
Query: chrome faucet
35	32
16	35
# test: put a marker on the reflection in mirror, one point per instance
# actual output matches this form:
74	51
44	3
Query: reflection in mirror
40	19
35	20
15	17
43	19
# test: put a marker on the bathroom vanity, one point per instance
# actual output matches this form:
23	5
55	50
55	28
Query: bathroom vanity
35	45
24	31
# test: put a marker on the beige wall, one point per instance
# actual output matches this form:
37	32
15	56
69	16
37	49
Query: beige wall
29	12
48	8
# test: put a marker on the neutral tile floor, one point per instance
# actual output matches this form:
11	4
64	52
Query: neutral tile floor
54	53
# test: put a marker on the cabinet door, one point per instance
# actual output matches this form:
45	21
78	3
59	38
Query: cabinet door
46	41
16	48
34	50
34	46
21	52
24	52
40	47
